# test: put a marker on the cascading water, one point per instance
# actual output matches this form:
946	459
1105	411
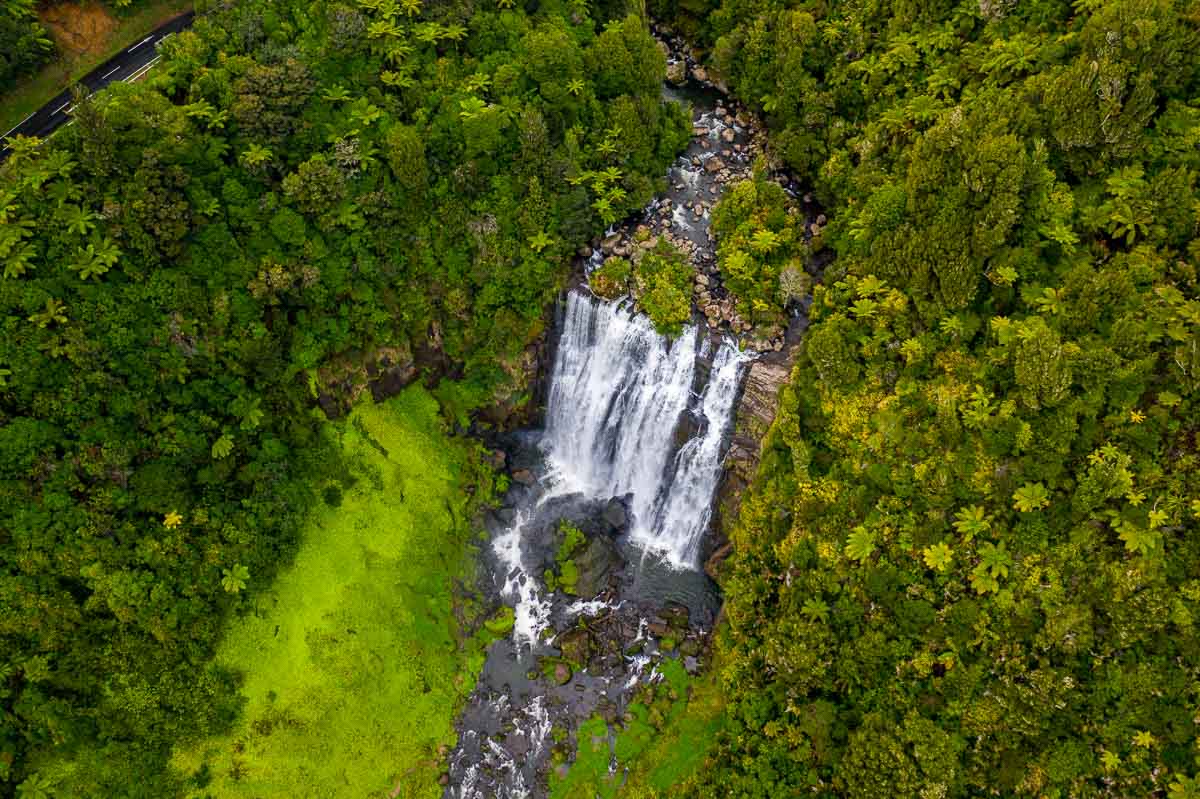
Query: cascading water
618	393
633	415
681	514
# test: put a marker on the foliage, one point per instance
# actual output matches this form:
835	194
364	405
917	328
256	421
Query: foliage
353	666
968	564
565	574
663	736
295	194
663	287
24	43
611	280
761	249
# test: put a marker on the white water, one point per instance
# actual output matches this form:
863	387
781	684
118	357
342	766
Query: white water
618	393
531	610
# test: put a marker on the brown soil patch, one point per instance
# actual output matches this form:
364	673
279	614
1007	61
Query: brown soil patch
79	28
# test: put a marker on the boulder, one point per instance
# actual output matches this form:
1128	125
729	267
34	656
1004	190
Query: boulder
524	477
676	616
562	673
595	565
713	164
728	135
576	646
677	73
615	514
609	243
700	74
658	628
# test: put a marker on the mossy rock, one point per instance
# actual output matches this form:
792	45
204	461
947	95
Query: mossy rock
575	645
611	280
502	623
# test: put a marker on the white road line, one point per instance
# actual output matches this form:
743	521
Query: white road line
139	44
19	124
141	71
61	107
111	71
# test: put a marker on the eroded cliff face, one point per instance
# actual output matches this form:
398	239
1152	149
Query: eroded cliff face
755	413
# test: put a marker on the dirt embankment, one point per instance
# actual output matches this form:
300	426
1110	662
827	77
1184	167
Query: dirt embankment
80	29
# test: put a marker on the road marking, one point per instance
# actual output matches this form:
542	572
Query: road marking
19	124
139	44
141	71
61	107
111	71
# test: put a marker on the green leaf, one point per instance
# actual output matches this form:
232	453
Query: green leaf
234	580
1031	497
222	446
995	558
861	544
938	556
972	521
815	610
1138	539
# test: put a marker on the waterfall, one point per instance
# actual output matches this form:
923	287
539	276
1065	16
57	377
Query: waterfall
619	392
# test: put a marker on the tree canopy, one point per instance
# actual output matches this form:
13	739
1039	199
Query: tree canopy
298	194
968	564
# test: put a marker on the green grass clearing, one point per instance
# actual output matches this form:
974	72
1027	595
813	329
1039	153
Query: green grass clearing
34	91
353	671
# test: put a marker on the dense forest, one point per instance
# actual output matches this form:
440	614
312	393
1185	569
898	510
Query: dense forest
24	43
969	563
301	193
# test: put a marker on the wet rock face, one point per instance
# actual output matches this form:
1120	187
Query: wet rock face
596	565
616	515
760	398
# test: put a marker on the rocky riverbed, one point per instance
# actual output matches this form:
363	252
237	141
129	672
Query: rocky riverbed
599	616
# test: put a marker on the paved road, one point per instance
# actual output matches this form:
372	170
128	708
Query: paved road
128	65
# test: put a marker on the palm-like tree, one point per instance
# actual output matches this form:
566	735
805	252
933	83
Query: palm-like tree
256	155
397	79
471	107
455	33
95	259
479	82
365	113
397	52
79	220
54	313
383	27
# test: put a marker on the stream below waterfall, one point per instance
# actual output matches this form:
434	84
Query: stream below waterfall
630	454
